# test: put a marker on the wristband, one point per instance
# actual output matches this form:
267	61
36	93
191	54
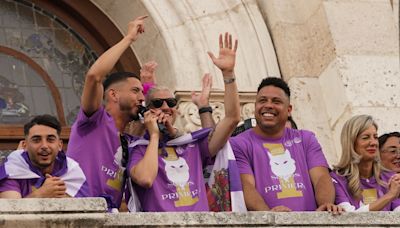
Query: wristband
205	109
229	80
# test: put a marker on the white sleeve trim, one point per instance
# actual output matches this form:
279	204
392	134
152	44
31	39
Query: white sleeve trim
363	208
397	208
350	208
347	206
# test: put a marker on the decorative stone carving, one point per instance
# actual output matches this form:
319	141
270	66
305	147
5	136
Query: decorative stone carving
189	119
218	111
247	111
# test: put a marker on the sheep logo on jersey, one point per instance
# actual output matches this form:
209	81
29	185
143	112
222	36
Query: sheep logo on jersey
177	171
283	166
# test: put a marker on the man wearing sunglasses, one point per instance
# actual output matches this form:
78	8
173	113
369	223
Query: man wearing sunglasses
97	141
167	175
389	147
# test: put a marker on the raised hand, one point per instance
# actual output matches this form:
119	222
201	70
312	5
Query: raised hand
394	185
136	27
148	72
202	99
227	55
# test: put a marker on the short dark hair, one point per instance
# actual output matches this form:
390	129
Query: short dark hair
118	77
274	81
46	120
383	138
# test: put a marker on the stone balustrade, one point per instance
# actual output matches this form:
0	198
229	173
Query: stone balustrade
90	212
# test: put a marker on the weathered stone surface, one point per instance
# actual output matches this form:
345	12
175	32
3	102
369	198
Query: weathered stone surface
64	205
308	104
371	81
190	219
202	219
302	37
362	27
387	118
53	220
179	34
326	219
292	12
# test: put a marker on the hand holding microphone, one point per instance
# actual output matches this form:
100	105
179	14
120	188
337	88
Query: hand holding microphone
144	112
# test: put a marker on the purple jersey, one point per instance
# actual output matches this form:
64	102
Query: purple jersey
371	191
94	143
179	185
281	166
20	175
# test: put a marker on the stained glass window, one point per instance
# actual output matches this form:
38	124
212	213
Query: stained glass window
43	62
51	44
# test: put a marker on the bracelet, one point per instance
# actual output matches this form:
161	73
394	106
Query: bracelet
205	109
229	80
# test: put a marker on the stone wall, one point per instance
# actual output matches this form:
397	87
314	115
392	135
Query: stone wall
90	212
179	34
340	58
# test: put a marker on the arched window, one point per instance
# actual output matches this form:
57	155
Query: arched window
46	47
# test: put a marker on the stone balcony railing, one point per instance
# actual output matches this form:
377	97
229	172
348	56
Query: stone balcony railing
90	212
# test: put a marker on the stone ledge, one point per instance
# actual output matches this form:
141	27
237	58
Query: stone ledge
53	220
192	219
202	219
386	219
52	205
258	219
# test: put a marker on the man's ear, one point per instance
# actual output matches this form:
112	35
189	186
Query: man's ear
21	145
289	110
111	94
60	144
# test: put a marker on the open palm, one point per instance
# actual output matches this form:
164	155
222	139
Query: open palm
202	99
227	53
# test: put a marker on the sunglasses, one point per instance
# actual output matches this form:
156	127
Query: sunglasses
158	102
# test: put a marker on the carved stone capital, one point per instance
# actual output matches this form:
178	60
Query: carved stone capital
189	119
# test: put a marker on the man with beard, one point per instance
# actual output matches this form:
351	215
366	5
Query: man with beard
282	169
97	139
41	170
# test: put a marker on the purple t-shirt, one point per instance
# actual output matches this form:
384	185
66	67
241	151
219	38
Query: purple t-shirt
94	143
281	166
179	185
26	186
371	191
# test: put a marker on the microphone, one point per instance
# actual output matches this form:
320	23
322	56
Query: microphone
161	127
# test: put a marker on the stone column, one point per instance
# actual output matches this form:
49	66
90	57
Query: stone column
341	58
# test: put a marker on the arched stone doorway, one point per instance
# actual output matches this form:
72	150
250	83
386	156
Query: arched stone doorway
178	36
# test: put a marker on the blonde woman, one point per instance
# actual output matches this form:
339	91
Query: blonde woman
360	183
